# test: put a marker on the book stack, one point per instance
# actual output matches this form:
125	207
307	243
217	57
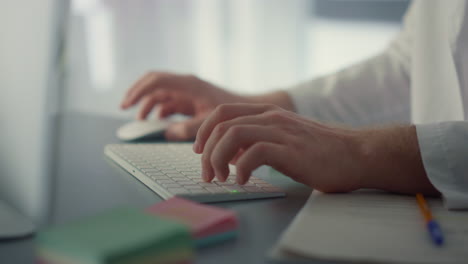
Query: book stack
165	233
208	224
123	236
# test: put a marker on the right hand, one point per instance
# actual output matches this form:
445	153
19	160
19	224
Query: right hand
175	93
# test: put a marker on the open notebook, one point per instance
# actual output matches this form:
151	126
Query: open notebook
372	226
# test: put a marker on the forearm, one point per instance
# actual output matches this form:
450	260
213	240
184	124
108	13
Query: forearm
375	91
391	160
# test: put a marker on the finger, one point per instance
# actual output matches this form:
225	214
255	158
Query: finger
216	135
125	102
223	113
186	130
236	157
261	153
149	83
167	109
175	107
150	101
236	138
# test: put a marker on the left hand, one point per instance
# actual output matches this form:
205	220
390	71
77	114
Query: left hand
250	135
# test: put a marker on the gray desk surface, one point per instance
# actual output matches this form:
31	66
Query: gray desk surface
85	183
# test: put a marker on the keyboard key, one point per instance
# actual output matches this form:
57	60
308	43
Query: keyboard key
190	173
206	184
176	191
253	189
152	170
160	177
257	180
178	179
216	189
165	181
235	188
171	185
142	165
193	187
224	183
186	183
170	171
152	174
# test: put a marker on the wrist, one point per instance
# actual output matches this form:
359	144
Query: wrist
391	160
360	153
366	155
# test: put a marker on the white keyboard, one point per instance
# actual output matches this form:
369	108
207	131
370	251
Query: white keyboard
173	169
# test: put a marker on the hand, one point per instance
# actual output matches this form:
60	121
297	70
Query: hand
248	135
174	93
326	158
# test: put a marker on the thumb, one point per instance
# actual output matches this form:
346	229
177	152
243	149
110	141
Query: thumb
182	131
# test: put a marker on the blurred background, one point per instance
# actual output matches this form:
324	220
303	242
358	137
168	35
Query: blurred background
248	46
61	56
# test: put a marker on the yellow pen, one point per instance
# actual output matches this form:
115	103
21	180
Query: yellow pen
431	225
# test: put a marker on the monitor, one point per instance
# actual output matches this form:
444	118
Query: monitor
29	59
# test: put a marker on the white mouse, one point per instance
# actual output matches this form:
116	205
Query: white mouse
142	129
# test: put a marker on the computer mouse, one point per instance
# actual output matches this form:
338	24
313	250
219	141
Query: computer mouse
142	129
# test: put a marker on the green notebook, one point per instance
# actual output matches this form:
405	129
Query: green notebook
121	236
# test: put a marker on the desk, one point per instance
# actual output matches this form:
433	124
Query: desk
85	183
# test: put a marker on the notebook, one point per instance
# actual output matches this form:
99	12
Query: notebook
208	224
117	236
372	226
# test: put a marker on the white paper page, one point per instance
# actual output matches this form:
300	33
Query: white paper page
375	226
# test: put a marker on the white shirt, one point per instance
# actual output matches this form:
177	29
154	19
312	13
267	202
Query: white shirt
421	78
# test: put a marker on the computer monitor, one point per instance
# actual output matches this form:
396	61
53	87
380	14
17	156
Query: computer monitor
29	54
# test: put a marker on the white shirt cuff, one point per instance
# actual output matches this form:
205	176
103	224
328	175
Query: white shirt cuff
444	152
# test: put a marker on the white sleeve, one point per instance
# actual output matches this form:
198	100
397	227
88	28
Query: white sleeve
374	91
444	151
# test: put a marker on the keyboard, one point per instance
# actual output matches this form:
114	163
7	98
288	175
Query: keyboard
173	169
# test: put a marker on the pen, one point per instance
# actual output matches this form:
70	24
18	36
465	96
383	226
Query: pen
431	225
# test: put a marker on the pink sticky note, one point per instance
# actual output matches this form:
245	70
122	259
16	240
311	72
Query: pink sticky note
204	220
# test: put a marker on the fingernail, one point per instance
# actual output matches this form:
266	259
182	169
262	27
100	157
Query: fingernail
206	176
196	147
220	177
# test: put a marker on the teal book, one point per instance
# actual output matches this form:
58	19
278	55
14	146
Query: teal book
209	224
120	236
